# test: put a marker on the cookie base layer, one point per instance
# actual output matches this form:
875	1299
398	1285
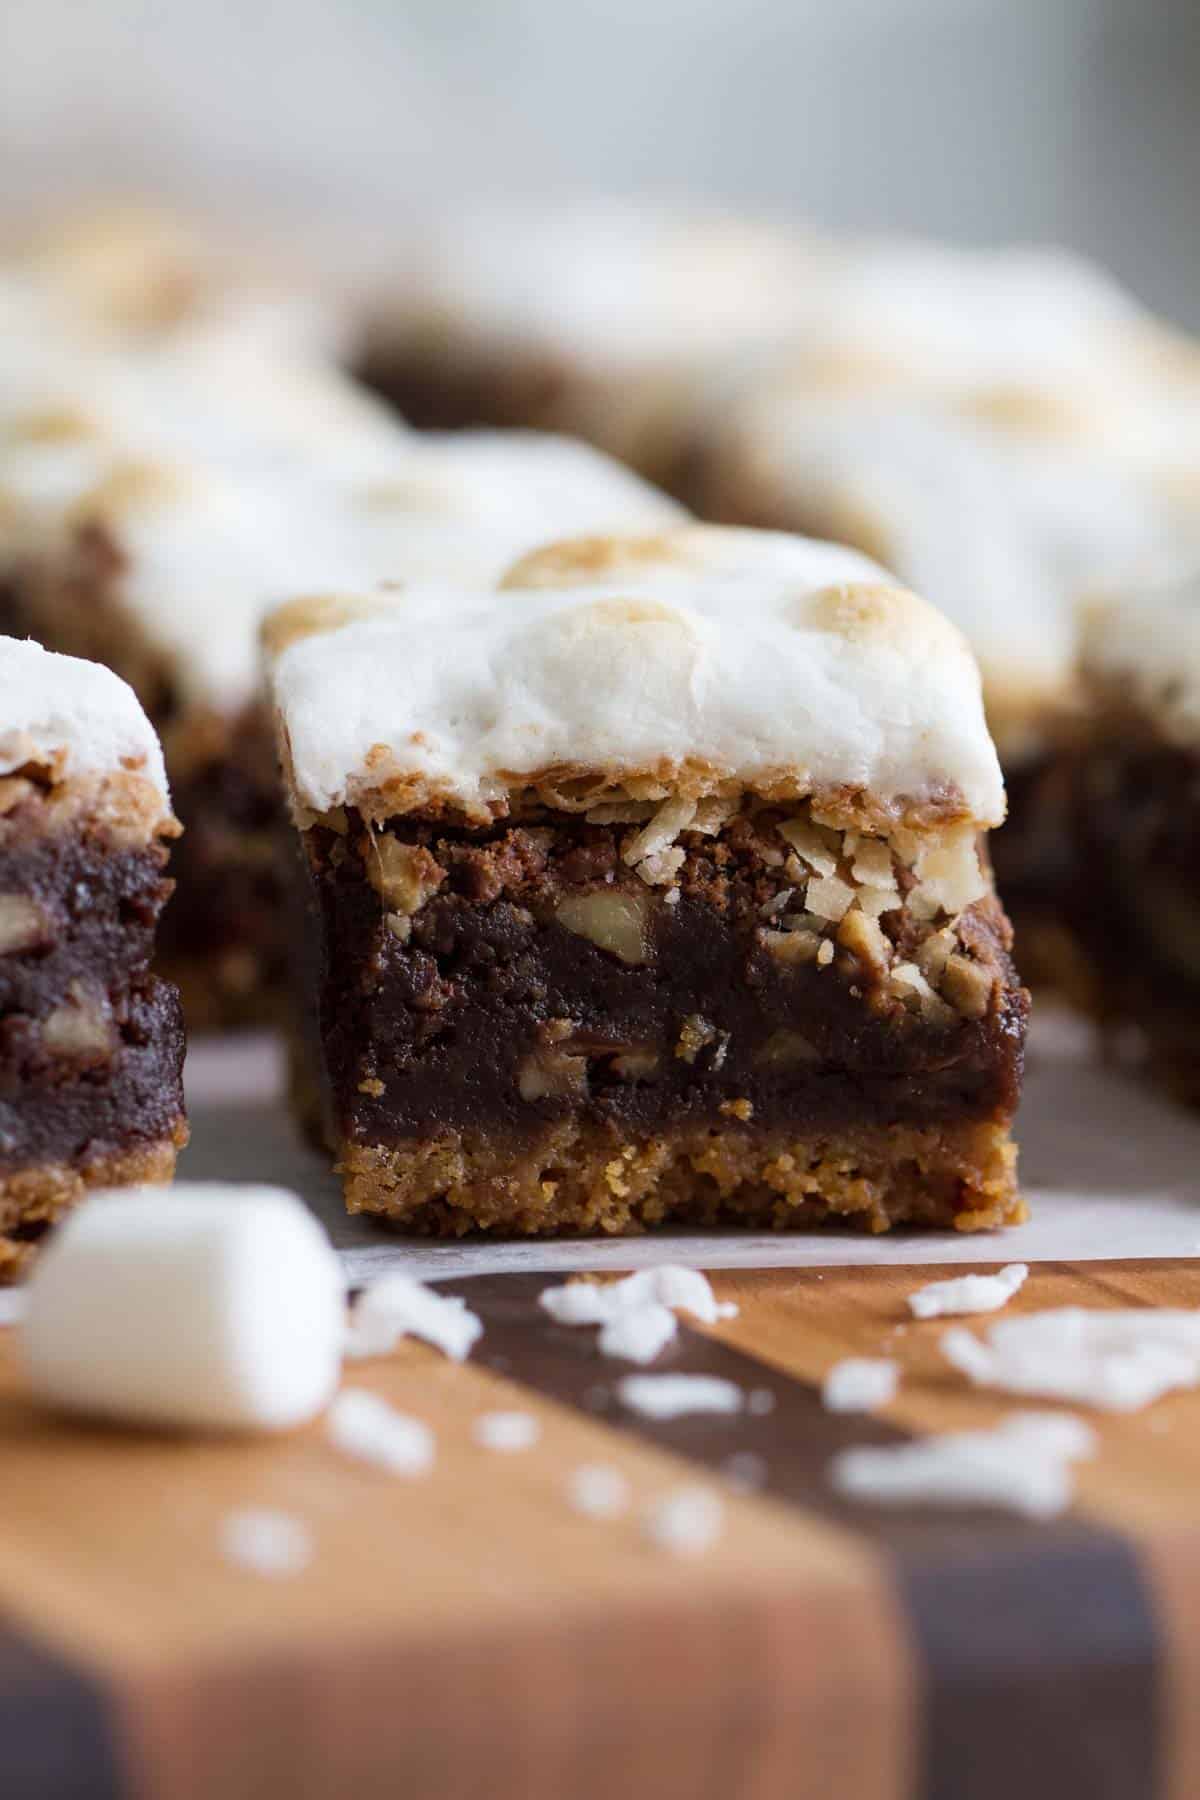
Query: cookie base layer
577	1178
33	1199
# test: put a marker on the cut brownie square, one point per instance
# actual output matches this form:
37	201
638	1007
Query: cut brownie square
1136	912
159	496
653	887
91	1042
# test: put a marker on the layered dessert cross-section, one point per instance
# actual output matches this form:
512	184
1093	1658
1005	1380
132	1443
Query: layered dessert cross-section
653	887
91	1041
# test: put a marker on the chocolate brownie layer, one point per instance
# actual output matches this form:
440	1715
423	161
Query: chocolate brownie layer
539	984
91	1044
114	1085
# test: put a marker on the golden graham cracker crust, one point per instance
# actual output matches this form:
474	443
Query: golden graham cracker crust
575	1178
31	1200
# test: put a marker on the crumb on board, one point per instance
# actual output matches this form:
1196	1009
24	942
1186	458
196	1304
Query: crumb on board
362	1425
266	1542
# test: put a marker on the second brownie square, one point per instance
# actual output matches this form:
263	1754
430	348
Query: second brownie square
593	994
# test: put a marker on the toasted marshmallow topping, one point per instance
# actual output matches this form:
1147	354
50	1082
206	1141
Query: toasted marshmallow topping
74	716
699	661
1005	531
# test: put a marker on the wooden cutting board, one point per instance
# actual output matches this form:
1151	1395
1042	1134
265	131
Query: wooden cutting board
470	1634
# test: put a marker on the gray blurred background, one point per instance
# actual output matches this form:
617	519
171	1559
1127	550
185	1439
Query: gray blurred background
976	120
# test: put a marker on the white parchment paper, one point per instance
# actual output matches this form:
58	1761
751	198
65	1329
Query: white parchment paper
1109	1168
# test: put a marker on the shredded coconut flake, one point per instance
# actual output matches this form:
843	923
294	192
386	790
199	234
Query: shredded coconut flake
638	1333
507	1431
1119	1360
686	1523
397	1306
637	1314
678	1396
760	1401
860	1384
1022	1465
968	1293
266	1542
673	1285
599	1492
809	845
362	1425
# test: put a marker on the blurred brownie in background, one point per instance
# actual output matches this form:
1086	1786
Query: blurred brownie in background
605	319
1007	432
1137	823
161	489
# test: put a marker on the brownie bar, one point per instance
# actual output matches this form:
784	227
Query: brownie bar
608	1000
1135	911
546	1041
91	1041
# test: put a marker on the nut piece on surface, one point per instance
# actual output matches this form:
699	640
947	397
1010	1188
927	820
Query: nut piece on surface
967	987
554	1067
829	897
404	874
791	946
81	1028
864	938
23	926
609	918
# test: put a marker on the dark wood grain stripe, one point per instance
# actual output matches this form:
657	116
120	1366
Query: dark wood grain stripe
1036	1643
56	1741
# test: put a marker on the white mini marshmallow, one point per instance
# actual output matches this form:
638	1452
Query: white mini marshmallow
203	1305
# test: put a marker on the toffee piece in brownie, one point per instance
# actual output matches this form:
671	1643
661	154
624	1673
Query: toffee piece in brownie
653	887
1136	910
91	1041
